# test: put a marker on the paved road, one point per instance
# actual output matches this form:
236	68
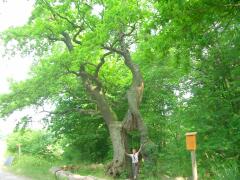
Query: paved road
6	175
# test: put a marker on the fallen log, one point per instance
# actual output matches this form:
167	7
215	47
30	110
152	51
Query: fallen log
62	174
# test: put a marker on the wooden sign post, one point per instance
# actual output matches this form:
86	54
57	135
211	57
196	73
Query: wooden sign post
19	149
191	146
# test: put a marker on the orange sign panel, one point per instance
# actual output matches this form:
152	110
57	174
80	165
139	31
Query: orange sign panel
191	141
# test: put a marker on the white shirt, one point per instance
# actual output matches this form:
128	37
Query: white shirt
134	158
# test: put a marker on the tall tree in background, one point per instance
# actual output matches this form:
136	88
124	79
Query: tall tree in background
203	38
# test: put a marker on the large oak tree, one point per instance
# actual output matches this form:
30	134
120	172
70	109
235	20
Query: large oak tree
72	41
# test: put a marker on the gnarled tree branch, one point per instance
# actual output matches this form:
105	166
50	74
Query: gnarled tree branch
54	13
67	40
112	49
102	61
76	34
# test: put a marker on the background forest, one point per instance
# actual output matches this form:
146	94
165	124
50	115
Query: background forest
156	69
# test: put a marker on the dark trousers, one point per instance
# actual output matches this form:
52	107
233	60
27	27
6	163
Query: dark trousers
135	169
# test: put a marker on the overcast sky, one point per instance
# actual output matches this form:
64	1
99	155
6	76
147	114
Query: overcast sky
14	13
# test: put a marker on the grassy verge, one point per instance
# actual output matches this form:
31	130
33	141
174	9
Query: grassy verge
96	170
37	168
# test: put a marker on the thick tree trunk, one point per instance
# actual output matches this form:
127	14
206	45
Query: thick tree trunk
117	137
115	128
133	118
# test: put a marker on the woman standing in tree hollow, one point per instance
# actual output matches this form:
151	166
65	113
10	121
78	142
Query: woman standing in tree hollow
134	157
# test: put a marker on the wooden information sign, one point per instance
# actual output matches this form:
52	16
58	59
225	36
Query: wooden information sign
191	141
191	145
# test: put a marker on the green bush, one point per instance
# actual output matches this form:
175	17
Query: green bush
227	171
34	143
35	167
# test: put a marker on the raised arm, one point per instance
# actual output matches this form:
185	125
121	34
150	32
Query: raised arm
127	154
140	149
